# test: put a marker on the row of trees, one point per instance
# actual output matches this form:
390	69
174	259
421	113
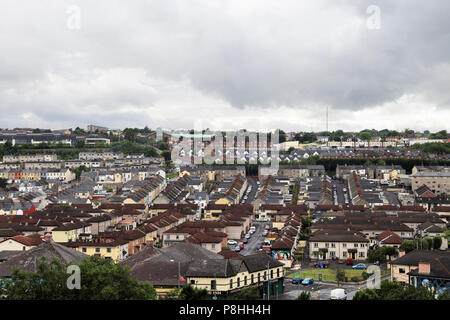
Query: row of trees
100	279
433	147
421	244
390	290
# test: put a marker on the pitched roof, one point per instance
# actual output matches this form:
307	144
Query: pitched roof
27	241
29	259
389	237
412	258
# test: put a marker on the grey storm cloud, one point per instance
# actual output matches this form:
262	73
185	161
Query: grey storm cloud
137	60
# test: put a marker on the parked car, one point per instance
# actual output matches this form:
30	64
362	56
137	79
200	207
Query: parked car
338	294
308	281
265	233
253	228
237	249
360	266
349	261
267	227
324	264
231	243
241	245
297	280
245	240
248	235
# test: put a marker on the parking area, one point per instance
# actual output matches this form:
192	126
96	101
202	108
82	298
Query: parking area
252	190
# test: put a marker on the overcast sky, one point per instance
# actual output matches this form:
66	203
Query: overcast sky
230	64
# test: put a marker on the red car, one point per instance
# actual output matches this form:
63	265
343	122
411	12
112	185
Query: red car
349	261
267	227
241	245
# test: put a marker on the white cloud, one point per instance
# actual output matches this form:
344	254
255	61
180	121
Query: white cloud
256	64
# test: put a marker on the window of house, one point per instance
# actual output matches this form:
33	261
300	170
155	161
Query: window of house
259	277
84	249
401	270
245	280
231	283
265	275
361	254
192	281
213	246
333	245
238	282
108	250
344	254
251	279
355	245
316	245
271	274
327	245
344	245
278	273
213	284
97	250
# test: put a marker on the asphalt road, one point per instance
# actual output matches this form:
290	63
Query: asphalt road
255	240
251	196
324	289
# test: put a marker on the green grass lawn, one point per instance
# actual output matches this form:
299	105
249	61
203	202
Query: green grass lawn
330	274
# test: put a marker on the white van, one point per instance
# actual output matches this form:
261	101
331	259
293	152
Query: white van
338	294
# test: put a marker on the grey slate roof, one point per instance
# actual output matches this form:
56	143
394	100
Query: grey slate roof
28	260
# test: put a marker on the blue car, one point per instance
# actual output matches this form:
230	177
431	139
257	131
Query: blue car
308	281
361	266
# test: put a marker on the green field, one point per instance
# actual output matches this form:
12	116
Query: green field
330	274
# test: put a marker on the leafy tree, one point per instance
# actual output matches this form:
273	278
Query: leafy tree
250	293
304	295
340	276
437	242
130	134
439	135
3	183
281	136
78	171
79	144
408	246
190	293
162	145
365	136
167	155
394	291
305	137
101	279
444	295
79	131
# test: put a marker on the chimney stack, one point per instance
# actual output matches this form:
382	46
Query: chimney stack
424	267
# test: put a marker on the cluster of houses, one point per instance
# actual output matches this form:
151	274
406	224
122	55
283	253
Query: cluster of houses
178	226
